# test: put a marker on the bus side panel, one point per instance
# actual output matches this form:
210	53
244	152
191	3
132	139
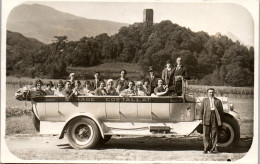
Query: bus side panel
128	111
144	111
160	109
97	109
40	109
182	112
52	111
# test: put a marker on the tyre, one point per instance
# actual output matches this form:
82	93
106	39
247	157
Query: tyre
83	133
36	122
105	139
228	134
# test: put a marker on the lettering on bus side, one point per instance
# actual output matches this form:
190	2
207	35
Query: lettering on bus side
86	99
128	99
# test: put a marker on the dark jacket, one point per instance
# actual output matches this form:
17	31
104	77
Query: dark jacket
177	85
68	94
205	110
98	92
153	82
125	83
95	84
166	75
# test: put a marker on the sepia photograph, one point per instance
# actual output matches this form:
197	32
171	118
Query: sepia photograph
129	81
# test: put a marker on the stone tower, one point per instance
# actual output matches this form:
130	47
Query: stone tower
148	17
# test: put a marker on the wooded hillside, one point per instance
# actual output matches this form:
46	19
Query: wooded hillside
211	60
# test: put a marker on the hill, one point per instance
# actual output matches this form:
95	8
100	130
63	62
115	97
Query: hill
211	60
15	39
43	22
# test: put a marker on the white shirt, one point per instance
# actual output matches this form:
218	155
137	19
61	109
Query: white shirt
212	105
178	67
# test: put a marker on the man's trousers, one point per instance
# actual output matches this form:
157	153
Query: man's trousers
210	133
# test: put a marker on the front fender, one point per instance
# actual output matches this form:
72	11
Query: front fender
79	115
235	115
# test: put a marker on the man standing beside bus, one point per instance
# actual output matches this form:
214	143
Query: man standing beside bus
212	113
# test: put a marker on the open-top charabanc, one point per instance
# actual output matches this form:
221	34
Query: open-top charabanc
91	120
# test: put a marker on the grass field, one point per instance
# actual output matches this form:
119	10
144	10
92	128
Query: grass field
109	70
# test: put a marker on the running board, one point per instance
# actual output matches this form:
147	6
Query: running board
129	128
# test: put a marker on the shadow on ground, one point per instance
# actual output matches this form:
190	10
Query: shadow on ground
161	144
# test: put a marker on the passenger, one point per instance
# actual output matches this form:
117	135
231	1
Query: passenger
110	88
72	79
167	72
179	74
87	91
49	89
101	91
96	82
160	90
122	79
139	89
58	90
130	91
38	88
119	88
77	89
153	80
146	87
68	92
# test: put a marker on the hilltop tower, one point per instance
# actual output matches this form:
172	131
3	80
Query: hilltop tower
148	17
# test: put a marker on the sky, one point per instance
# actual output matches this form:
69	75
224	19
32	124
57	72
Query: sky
226	18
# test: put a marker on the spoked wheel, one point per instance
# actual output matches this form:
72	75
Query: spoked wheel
228	134
83	133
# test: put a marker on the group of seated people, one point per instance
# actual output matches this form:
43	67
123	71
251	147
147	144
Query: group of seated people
121	87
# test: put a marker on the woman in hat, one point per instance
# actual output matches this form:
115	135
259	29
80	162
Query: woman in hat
38	89
123	79
111	91
130	91
49	89
152	78
167	72
58	90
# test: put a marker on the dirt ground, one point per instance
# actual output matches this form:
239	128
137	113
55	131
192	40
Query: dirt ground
127	148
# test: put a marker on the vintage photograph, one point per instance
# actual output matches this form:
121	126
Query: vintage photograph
151	81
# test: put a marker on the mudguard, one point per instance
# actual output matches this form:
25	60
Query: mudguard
76	116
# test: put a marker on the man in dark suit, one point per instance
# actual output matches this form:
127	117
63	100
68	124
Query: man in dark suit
212	113
96	82
179	72
153	80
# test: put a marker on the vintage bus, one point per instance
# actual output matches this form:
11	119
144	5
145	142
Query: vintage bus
91	120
